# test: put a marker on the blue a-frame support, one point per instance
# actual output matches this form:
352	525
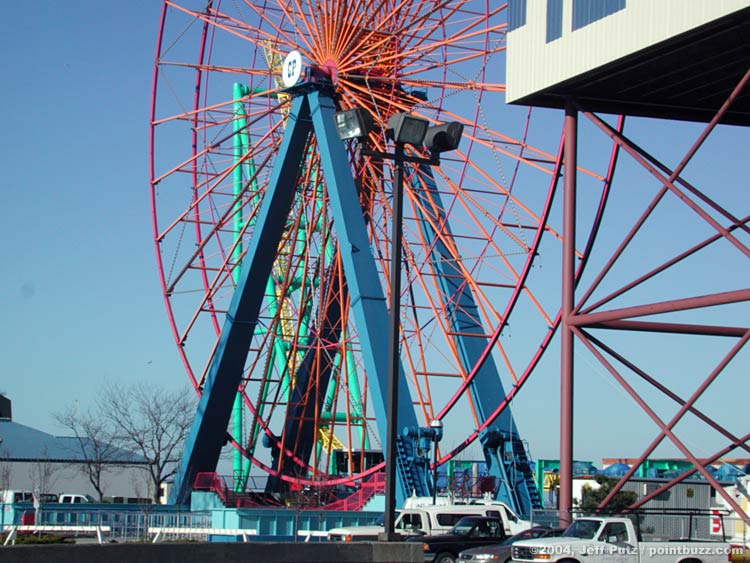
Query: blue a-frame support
311	110
504	450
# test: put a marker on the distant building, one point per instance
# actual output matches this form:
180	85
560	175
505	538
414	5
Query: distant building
649	475
34	460
724	469
734	527
684	507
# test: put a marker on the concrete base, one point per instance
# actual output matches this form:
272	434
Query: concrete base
252	552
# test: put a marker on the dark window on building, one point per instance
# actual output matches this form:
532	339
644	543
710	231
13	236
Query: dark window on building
517	14
589	11
554	19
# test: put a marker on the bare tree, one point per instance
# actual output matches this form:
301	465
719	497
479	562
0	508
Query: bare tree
152	422
94	442
6	471
42	474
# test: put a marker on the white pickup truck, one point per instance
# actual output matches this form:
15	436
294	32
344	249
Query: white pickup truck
614	540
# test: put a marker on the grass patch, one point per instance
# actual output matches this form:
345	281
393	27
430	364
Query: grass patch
38	539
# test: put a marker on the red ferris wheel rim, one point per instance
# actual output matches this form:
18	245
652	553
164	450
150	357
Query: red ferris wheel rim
213	21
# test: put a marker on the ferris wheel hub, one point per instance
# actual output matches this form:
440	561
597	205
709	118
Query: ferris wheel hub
330	68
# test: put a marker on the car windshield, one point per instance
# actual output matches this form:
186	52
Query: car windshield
463	526
526	535
584	529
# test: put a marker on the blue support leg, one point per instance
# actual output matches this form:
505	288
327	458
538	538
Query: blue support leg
368	302
514	478
208	433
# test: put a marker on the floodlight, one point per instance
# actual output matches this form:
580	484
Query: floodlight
406	129
437	429
444	137
353	123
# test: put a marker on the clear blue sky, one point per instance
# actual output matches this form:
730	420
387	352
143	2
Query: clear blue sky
81	302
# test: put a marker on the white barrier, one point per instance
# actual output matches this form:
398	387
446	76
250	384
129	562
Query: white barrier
52	529
307	534
161	531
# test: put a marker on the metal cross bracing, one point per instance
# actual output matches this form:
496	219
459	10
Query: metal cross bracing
462	315
592	318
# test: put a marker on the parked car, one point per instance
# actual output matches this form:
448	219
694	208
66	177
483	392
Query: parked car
49	497
68	498
501	552
12	497
470	531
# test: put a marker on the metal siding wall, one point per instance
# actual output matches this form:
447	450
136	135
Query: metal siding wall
658	526
517	15
554	19
589	11
533	64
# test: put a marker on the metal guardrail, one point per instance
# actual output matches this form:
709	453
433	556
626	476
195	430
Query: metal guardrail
13	531
184	532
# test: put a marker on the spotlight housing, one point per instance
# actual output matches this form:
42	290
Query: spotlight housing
444	137
353	123
407	129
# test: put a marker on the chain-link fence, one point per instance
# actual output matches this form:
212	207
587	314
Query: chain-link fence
117	525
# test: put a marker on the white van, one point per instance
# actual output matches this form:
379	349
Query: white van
68	498
433	519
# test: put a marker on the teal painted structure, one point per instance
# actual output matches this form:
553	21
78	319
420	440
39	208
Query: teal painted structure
123	519
284	524
278	524
544	466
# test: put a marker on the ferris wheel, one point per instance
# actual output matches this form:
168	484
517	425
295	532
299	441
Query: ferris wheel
481	237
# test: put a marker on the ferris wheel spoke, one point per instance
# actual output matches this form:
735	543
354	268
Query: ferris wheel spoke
309	396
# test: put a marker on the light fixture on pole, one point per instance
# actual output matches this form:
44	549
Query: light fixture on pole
353	123
407	129
437	434
403	129
444	137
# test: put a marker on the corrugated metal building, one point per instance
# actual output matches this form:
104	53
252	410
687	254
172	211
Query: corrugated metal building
30	458
668	515
692	495
666	58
